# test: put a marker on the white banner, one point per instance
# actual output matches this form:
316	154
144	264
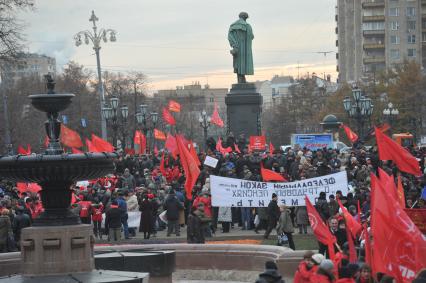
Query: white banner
230	192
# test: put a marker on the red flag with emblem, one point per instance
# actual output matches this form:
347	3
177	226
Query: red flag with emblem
174	106
189	166
390	150
159	135
215	119
321	231
168	118
352	136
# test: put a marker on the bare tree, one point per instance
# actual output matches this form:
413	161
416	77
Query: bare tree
11	36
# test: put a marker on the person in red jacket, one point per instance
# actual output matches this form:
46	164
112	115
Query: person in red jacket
306	268
97	210
324	273
85	211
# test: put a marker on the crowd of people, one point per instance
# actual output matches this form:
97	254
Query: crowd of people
140	185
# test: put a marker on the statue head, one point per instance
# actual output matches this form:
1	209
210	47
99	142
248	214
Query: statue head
243	15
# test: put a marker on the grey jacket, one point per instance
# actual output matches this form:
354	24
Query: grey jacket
284	223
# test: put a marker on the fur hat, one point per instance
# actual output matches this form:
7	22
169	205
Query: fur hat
326	265
318	258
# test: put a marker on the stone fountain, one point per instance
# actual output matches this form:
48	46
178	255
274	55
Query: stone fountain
58	248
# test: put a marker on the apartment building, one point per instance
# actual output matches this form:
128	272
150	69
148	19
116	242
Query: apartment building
373	35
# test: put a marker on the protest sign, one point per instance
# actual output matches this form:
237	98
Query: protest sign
258	142
228	192
210	161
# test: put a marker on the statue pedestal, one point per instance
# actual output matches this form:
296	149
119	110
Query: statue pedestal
244	108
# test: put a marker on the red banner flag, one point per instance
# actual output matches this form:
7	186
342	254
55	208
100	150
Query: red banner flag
390	150
174	106
222	149
399	248
351	224
75	150
321	231
23	151
271	149
140	140
189	166
400	192
168	118
269	175
257	142
215	119
171	145
102	145
70	138
162	167
237	149
194	153
28	187
367	245
90	146
350	134
159	135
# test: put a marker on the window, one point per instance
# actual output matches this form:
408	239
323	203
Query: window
394	54
394	39
411	25
373	26
394	12
411	11
394	25
411	52
411	38
423	37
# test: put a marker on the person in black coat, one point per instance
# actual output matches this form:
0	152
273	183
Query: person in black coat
113	221
173	206
20	221
271	274
146	224
273	215
195	233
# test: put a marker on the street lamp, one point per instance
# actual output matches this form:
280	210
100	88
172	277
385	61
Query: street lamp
96	37
359	109
117	117
204	123
390	113
148	121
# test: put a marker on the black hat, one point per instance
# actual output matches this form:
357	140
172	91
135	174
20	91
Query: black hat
274	195
271	265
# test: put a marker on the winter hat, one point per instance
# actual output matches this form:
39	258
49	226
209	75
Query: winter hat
271	265
318	258
326	265
274	195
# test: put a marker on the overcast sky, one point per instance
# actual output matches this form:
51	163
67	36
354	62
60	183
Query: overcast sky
177	42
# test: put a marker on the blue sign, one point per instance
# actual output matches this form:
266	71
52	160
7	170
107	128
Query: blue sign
314	141
83	123
64	119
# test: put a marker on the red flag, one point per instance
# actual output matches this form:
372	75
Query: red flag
168	118
215	119
257	142
129	151
189	166
390	150
352	252
159	135
75	150
359	211
399	248
269	175
171	145
162	167
23	151
90	146
350	134
46	141
271	149
174	106
70	138
237	149
140	140
351	224
321	231
28	187
222	149
400	193
155	150
101	144
194	154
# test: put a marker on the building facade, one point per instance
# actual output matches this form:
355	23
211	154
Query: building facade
373	35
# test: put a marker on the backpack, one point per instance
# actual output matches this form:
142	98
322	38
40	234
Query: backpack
85	207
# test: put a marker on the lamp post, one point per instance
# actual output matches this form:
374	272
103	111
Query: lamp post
117	119
147	120
96	37
204	123
359	109
390	113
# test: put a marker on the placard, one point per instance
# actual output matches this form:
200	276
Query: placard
210	161
228	192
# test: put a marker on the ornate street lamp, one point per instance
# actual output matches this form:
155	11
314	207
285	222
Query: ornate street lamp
95	38
116	117
148	121
360	108
204	123
390	113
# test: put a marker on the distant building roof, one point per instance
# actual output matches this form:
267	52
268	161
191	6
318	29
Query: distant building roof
282	80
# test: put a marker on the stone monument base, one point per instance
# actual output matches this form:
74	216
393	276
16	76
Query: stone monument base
244	108
54	250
